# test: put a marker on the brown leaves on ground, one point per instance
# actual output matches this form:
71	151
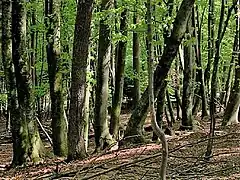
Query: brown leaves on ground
186	159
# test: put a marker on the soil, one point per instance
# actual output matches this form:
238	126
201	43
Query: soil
186	157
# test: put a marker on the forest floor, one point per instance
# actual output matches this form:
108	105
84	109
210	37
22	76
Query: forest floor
186	158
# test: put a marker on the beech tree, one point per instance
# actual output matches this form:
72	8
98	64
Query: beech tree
26	139
102	134
159	132
119	80
76	144
59	125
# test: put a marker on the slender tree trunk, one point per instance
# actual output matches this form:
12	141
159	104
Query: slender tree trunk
59	126
26	138
198	52
136	61
231	112
221	31
87	109
102	135
76	145
211	29
177	89
228	83
188	87
161	100
134	127
7	62
119	83
170	108
154	123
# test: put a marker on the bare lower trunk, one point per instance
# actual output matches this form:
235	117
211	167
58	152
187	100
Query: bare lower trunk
103	138
76	144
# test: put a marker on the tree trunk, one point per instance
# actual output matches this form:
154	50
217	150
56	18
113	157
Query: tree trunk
119	83
76	145
198	52
221	32
170	108
231	112
26	138
102	135
134	127
228	83
161	100
59	126
136	61
188	87
7	62
154	123
211	29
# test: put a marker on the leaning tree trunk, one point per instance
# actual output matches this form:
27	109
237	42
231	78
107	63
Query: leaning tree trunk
188	87
59	126
76	144
119	81
102	135
26	138
135	124
231	112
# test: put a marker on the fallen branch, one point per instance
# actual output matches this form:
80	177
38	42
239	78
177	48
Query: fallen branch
140	160
45	132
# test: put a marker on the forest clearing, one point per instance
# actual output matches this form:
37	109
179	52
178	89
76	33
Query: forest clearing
119	89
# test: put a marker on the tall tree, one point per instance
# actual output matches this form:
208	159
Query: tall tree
154	123
214	86
198	53
211	29
59	125
26	138
231	113
188	88
119	80
136	59
76	145
102	135
134	127
7	60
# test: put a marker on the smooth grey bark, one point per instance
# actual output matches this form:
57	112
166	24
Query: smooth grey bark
135	124
103	138
76	144
188	86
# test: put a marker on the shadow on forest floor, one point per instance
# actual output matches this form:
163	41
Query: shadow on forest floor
186	159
